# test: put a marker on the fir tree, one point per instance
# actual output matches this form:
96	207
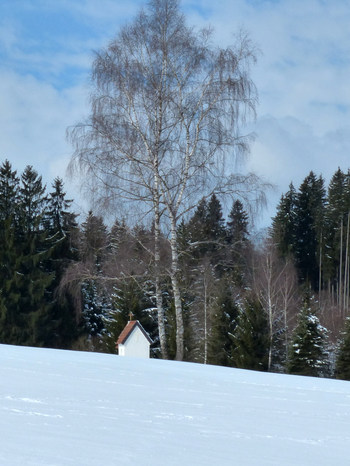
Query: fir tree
93	250
283	224
336	219
307	353
33	280
94	240
62	228
9	254
309	217
224	321
250	338
237	236
9	186
96	307
129	301
342	367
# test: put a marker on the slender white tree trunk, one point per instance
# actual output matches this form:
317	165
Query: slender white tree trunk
159	298
205	323
176	291
340	265
346	276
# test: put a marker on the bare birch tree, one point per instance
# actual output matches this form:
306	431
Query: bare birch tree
165	120
275	285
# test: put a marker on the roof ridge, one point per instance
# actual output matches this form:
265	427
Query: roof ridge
128	329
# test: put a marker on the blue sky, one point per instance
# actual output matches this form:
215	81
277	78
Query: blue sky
302	76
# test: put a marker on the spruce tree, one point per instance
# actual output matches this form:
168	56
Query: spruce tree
62	229
129	301
283	224
309	218
342	366
237	237
25	283
336	219
250	338
214	222
307	352
223	325
34	249
93	251
9	254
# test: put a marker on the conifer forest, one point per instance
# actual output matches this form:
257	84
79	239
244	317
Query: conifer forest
275	304
158	151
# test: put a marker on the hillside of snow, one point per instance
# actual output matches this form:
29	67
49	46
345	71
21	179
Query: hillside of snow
75	408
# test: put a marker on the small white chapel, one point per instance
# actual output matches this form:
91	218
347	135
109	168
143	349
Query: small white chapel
134	341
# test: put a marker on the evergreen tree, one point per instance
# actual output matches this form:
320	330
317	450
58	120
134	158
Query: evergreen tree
33	249
309	217
336	223
237	225
224	320
129	301
237	236
283	224
96	306
196	231
9	186
342	367
214	222
206	227
9	255
94	242
334	218
251	343
307	353
62	229
24	290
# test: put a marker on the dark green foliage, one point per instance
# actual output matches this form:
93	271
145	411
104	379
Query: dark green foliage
205	230
95	306
283	224
33	257
335	225
9	187
62	228
251	343
307	353
237	237
309	215
237	224
94	240
223	325
342	367
25	293
9	295
299	229
129	301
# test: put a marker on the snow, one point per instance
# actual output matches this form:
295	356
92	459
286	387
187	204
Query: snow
75	408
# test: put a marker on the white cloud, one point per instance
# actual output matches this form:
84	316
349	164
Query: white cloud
33	121
302	76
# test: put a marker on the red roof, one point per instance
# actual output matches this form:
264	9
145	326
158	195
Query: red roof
128	329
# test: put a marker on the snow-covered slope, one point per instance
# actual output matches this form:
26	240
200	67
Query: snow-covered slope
72	408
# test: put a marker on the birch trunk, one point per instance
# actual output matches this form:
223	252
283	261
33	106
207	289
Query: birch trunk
176	290
159	299
346	276
340	266
205	323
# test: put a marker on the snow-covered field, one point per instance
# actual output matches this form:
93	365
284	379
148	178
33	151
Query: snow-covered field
73	408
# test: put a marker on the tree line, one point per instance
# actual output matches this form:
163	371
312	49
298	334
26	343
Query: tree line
245	303
311	228
164	140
